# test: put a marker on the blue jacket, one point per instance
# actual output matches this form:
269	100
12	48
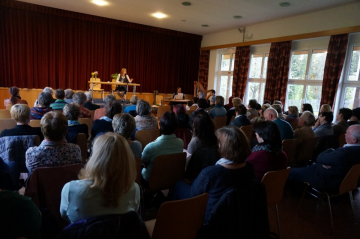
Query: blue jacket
286	130
240	120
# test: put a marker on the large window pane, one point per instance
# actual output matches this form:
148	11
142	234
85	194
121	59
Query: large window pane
230	88
255	65
253	91
313	97
232	62
265	64
317	65
295	94
225	62
223	85
298	64
262	92
355	64
352	97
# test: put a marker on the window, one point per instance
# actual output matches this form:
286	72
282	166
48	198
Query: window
305	78
225	75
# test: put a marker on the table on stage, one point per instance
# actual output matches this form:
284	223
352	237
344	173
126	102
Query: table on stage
112	83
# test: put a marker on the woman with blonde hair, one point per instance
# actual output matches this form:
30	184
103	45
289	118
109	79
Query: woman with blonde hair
107	184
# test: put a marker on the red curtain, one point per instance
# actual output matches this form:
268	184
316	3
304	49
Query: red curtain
333	66
278	71
204	68
42	46
241	69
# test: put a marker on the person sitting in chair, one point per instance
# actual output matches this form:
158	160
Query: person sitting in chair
123	77
178	95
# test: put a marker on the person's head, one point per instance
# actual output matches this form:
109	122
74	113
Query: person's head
270	114
112	108
124	124
267	132
89	97
263	108
277	108
54	126
325	108
195	99
252	103
307	107
307	118
123	71
60	94
79	98
344	114
178	90
202	103
71	111
355	114
111	168
278	102
233	144
352	135
240	110
109	98
219	100
168	123
20	113
69	93
258	107
44	99
267	102
326	117
134	99
294	111
203	126
236	101
143	108
49	90
179	109
212	92
14	91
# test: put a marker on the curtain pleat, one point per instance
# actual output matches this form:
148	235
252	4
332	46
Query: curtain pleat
241	69
204	68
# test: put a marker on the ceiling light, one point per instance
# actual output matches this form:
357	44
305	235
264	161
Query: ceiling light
159	15
284	4
237	17
186	3
205	25
100	2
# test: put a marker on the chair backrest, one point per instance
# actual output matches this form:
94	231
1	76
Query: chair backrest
35	123
146	136
96	86
181	219
138	171
161	110
193	107
167	170
350	181
81	140
7	124
248	131
184	134
306	151
294	125
289	147
88	122
92	112
274	182
341	140
220	122
5	114
189	112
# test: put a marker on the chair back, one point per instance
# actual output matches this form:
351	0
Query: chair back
193	107
88	122
161	110
219	122
289	147
35	123
138	171
81	140
189	112
274	182
146	136
96	86
341	140
306	151
180	219
248	131
7	124
294	125
184	134
351	180
158	99
92	112
5	114
166	171
45	184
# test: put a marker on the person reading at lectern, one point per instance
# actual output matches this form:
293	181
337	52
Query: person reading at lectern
123	77
178	95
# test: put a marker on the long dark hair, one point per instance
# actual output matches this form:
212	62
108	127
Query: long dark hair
204	127
14	91
270	133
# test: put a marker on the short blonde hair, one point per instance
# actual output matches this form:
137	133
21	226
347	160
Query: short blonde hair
294	110
20	113
219	100
236	101
325	108
111	168
54	126
308	117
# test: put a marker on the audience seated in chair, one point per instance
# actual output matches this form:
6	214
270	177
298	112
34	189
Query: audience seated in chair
241	119
306	121
355	118
341	121
133	101
285	128
231	112
59	102
89	102
267	155
324	128
144	119
46	90
202	105
15	97
278	108
43	106
332	165
72	112
101	112
124	125
182	118
53	150
293	115
218	110
261	113
252	108
68	95
80	99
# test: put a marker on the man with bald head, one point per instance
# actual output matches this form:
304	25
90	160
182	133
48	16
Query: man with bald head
285	128
332	164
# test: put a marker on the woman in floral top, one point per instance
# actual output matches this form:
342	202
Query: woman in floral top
54	150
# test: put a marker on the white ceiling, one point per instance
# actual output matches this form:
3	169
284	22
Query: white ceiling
218	14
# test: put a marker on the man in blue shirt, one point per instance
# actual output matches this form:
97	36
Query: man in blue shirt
218	110
285	128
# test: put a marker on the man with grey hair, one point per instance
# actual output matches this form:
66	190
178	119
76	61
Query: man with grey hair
285	128
133	100
47	90
332	164
101	112
68	95
89	104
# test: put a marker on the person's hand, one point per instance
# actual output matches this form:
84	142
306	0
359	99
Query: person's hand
131	80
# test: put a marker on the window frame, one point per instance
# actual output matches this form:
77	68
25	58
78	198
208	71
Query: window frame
229	74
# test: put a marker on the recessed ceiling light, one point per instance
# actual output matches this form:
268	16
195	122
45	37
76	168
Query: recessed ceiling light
186	3
100	2
159	15
237	17
284	4
205	25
